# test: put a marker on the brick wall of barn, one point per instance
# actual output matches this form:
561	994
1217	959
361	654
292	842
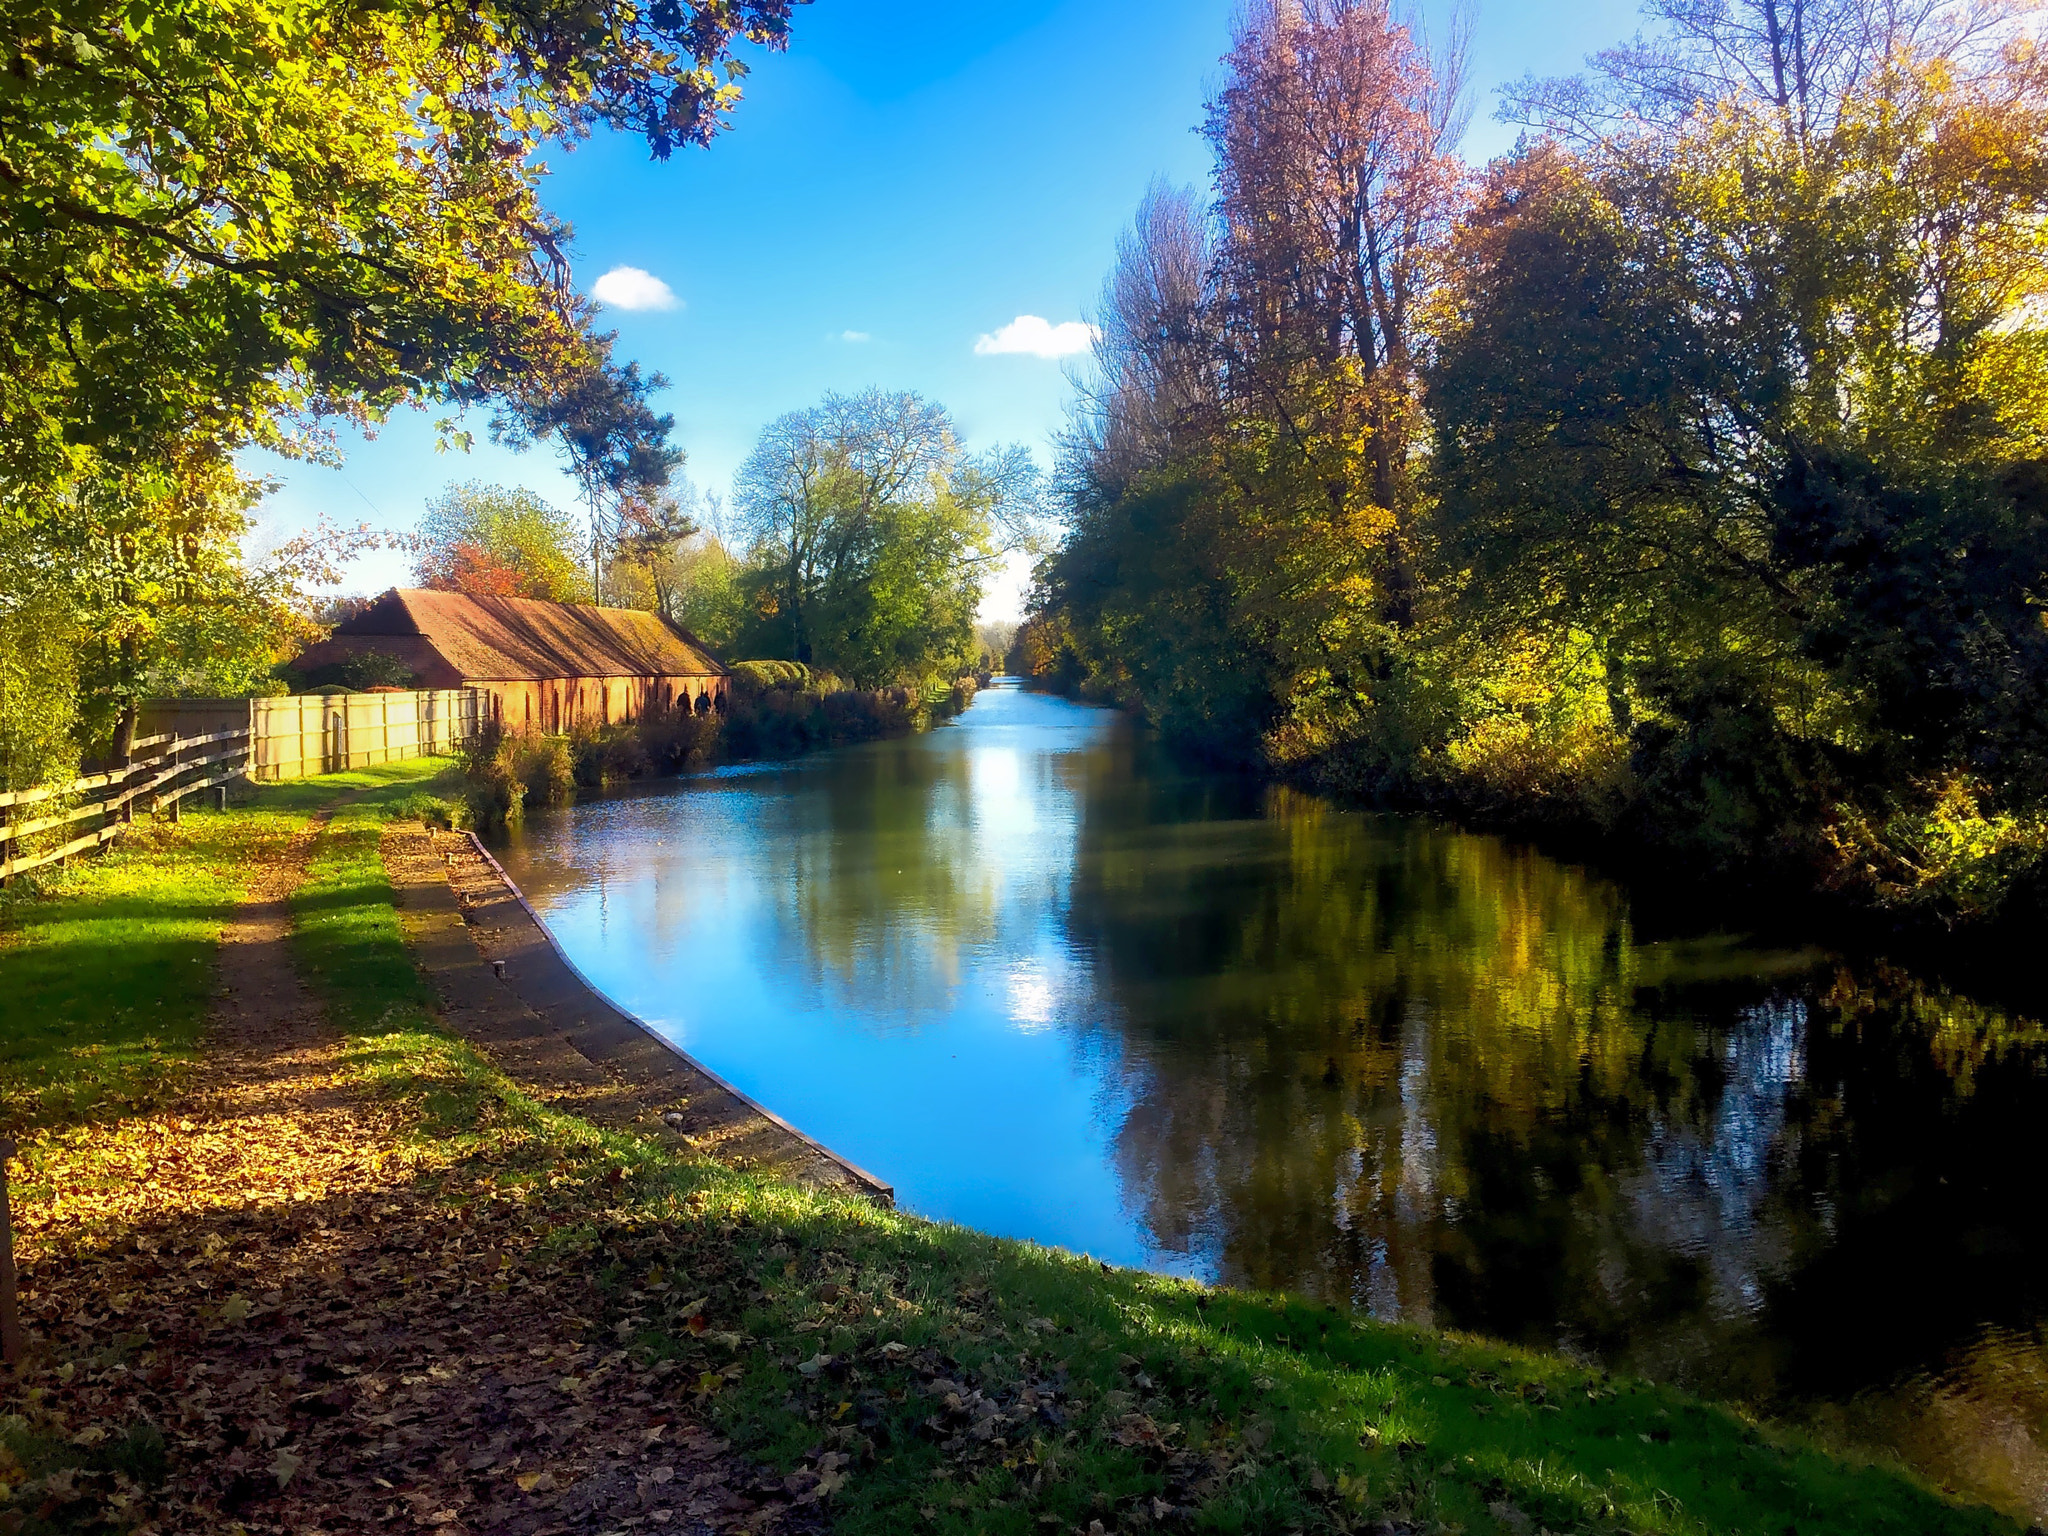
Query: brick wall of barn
562	704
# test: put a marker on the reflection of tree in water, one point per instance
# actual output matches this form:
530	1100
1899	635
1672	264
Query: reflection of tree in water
896	873
1440	1077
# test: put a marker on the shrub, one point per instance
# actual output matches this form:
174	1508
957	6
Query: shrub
1949	855
605	755
494	794
677	741
357	674
753	678
546	766
431	809
962	694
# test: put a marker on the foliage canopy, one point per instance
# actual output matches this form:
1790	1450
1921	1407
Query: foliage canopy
1681	475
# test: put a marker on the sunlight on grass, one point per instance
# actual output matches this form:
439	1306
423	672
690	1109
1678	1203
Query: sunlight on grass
106	966
828	1322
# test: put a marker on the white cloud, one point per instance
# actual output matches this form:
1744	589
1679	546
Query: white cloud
1039	338
631	288
855	336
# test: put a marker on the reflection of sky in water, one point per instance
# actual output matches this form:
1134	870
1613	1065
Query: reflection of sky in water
1706	1189
1051	991
815	952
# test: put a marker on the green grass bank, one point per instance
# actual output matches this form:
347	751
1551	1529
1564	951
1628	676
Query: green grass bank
922	1376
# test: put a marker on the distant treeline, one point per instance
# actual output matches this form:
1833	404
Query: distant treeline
1681	477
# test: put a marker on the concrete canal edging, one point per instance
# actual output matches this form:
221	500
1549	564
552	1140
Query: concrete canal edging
507	985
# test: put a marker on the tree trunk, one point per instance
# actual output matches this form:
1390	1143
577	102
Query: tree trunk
1618	708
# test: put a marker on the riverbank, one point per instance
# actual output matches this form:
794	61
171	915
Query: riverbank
301	1257
1986	954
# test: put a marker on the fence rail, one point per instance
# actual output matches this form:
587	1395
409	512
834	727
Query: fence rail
285	738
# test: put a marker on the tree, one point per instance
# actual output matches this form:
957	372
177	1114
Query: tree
1155	389
1335	176
224	213
1757	405
224	223
699	584
498	541
653	533
616	447
1241	507
872	532
148	580
1803	58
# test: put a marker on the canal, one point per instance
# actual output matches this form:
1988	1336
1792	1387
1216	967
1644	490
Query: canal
1052	985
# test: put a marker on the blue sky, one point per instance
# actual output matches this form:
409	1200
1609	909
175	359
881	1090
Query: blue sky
915	173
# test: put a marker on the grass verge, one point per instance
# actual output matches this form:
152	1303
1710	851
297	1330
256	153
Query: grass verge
920	1376
106	967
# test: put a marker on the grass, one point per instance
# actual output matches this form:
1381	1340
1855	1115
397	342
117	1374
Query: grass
967	1384
106	967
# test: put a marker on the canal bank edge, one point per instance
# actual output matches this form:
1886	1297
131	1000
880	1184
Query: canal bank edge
506	983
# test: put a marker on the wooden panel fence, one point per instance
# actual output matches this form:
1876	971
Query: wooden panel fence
286	738
329	733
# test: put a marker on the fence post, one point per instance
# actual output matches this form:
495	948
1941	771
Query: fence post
10	1299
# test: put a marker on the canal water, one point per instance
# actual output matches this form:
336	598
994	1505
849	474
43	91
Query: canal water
1051	985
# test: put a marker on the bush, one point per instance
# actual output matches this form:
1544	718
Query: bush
1948	856
960	695
605	755
775	709
494	794
546	766
680	742
356	674
753	678
1724	785
431	809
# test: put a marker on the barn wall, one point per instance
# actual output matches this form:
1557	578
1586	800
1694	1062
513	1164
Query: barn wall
562	704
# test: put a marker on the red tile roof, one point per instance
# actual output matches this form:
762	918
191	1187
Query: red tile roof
491	639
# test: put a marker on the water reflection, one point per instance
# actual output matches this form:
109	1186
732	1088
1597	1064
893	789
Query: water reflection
1053	987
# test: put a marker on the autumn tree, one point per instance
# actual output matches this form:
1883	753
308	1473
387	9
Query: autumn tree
498	541
1239	481
1757	404
1803	59
1336	176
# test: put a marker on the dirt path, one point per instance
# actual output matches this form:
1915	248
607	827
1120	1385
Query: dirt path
269	1309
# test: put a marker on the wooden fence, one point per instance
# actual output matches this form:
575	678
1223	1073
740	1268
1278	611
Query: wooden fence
304	734
283	738
182	765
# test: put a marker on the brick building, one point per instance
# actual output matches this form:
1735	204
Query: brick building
546	666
